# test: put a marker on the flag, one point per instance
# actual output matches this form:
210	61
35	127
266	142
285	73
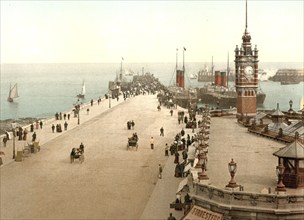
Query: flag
184	48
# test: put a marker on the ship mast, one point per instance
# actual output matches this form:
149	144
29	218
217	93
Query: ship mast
228	69
176	58
120	76
184	59
212	67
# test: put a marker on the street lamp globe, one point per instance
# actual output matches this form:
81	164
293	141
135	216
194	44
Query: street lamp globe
232	167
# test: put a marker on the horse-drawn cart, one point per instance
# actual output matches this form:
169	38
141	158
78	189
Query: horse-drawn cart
132	142
77	153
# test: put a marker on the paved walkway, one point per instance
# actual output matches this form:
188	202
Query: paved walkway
112	183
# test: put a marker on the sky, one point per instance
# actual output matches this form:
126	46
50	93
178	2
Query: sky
148	31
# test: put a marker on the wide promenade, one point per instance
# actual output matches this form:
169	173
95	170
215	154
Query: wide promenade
112	183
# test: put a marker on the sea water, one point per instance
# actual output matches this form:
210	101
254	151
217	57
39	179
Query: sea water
45	89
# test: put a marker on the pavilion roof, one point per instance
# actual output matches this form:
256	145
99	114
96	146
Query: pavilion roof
277	112
294	150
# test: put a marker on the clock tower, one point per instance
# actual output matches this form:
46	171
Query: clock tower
246	76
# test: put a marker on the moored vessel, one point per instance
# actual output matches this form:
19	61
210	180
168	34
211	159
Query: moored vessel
288	76
181	96
13	93
82	94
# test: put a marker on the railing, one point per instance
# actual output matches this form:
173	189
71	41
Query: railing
240	200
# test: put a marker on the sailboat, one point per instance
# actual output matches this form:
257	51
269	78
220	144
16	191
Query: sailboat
192	76
81	95
13	93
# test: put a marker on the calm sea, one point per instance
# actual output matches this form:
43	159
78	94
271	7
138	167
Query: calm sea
45	89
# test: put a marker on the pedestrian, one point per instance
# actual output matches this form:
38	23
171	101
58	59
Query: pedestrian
132	124
176	159
34	136
88	110
4	141
161	131
56	116
69	116
92	102
32	127
65	125
60	116
37	125
41	123
160	170
171	112
64	116
186	119
7	135
171	217
185	154
53	128
25	134
129	125
152	143
167	150
1	153
20	133
81	147
182	132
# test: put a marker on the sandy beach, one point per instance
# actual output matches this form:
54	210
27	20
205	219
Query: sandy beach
112	183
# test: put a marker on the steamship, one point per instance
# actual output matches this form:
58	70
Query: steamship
185	98
217	94
288	76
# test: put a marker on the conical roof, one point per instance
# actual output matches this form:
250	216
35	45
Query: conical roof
294	150
277	112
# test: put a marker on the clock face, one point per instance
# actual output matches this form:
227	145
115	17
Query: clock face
248	72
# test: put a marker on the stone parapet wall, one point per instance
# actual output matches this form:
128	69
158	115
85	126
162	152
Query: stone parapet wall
245	205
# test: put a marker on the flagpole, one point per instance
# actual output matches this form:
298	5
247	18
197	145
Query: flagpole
120	77
228	69
184	59
176	58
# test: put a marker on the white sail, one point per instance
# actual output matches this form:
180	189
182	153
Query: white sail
81	95
13	93
192	76
83	89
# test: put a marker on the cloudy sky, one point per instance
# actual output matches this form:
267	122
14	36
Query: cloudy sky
147	31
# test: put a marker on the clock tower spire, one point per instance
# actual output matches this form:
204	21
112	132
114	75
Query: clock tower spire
246	75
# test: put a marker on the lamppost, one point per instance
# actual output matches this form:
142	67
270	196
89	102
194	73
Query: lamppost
232	167
109	96
290	111
78	113
280	173
14	125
